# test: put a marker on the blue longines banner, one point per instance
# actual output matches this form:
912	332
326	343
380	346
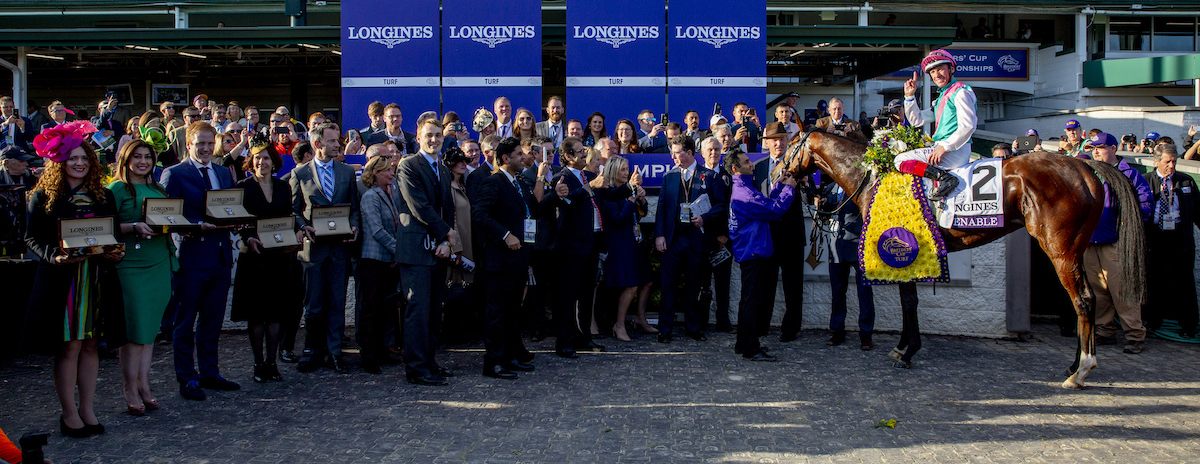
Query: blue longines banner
491	50
716	58
616	59
998	64
389	54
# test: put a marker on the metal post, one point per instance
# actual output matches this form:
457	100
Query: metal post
181	18
863	13
21	90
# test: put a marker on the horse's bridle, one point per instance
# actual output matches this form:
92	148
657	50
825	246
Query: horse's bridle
800	147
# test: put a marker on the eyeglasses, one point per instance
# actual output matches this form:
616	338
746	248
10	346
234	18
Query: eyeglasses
60	110
192	115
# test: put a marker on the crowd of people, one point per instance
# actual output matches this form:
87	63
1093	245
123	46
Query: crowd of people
497	226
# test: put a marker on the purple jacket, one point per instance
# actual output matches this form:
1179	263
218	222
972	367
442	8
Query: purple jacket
749	212
1106	231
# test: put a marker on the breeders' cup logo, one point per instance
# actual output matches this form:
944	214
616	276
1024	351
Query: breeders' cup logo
390	35
717	35
1009	63
492	35
616	35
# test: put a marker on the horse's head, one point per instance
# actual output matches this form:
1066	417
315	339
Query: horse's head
799	158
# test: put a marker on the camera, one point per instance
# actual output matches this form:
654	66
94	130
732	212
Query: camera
887	112
1129	138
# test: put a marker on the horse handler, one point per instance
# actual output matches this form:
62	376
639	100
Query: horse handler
953	114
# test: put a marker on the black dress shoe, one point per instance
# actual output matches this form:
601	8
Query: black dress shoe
434	380
260	375
589	346
525	357
518	366
865	343
698	336
725	328
338	365
439	370
784	338
760	356
191	390
218	383
836	339
81	432
288	356
496	372
664	338
568	353
371	368
308	362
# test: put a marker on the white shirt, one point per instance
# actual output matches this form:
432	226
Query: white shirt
214	182
557	129
964	101
505	130
685	174
1165	191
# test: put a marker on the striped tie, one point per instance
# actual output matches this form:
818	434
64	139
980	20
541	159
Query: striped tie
327	181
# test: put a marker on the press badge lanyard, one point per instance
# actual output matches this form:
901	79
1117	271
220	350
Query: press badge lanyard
530	223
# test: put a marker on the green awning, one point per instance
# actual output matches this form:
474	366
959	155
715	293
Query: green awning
1140	71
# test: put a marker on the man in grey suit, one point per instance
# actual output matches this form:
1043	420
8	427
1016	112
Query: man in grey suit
553	128
425	241
324	181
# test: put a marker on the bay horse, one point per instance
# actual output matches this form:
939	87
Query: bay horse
1057	198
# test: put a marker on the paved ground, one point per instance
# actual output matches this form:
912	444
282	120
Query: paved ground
965	400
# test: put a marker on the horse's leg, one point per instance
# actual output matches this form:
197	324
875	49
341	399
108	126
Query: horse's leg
902	345
911	330
1070	273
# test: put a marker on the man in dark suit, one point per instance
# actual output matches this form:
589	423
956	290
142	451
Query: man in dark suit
324	181
787	236
424	243
205	260
553	128
679	235
486	168
14	128
541	259
405	141
1172	248
505	213
577	253
846	226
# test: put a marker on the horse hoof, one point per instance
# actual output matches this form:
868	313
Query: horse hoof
902	364
896	353
1071	384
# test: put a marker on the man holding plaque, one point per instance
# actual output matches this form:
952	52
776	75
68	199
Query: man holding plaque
324	182
425	241
205	260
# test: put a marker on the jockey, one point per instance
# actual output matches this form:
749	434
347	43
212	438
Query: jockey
953	114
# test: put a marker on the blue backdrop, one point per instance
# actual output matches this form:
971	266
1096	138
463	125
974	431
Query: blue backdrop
716	58
389	54
616	59
490	51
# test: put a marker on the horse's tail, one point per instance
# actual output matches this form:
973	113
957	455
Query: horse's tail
1131	242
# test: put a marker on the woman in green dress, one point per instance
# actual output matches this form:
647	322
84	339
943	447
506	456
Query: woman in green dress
145	272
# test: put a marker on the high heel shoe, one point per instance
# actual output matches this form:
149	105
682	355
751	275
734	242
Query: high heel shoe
81	432
619	333
273	372
136	410
260	374
151	404
645	327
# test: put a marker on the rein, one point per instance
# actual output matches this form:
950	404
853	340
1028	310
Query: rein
862	185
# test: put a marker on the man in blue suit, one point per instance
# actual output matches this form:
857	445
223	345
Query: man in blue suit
205	260
577	249
679	235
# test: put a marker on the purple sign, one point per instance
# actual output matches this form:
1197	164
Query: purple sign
489	52
616	59
389	54
1003	64
716	58
653	166
897	247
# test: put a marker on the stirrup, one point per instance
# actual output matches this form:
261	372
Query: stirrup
945	185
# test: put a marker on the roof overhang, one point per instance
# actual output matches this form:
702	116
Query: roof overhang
151	37
1140	71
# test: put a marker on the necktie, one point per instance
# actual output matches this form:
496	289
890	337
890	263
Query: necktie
207	179
554	133
436	175
327	181
1163	201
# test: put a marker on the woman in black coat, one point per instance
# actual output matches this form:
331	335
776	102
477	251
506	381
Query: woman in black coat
75	300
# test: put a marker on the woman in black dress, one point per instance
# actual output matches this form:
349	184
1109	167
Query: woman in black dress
75	299
626	267
267	286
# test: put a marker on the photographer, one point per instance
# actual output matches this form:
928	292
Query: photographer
1017	150
890	116
1147	144
838	123
747	130
1129	143
15	129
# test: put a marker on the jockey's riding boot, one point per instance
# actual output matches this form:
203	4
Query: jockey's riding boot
946	182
